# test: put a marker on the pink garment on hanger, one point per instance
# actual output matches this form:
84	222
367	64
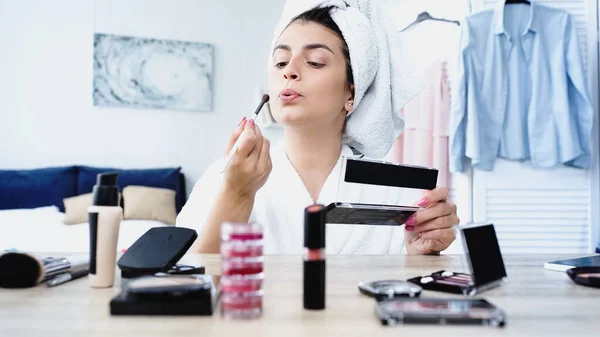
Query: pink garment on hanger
424	141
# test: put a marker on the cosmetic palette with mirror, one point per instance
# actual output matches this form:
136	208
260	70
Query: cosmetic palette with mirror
365	187
485	263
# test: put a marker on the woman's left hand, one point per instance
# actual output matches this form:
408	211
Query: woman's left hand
431	229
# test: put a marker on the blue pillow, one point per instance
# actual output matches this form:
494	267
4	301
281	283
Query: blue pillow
37	187
159	177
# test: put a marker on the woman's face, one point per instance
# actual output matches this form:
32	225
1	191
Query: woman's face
307	82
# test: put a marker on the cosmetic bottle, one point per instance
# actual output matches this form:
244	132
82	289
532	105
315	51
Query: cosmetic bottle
104	216
314	257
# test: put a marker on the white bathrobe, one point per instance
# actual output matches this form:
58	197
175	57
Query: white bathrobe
279	207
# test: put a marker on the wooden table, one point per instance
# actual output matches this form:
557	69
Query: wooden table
537	302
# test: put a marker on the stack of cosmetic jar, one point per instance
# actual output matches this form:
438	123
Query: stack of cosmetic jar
241	270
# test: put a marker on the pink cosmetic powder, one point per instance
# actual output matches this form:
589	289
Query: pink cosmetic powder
242	266
241	305
231	231
233	249
241	284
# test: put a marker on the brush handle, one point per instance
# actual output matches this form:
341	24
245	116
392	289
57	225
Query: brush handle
234	148
264	100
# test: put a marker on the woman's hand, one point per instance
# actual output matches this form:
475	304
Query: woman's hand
251	164
431	229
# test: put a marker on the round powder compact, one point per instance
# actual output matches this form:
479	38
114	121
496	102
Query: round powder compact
389	289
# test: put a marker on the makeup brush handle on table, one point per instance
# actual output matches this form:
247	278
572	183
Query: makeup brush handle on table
24	270
265	99
66	277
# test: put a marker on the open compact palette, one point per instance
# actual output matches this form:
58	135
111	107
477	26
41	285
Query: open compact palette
485	263
446	281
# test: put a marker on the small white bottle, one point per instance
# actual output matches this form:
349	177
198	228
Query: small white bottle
105	217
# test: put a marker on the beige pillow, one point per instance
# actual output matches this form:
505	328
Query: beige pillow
76	208
149	203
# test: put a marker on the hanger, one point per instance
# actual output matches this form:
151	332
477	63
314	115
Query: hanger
425	16
511	2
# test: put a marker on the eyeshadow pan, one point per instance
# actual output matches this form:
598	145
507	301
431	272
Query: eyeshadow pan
450	282
461	278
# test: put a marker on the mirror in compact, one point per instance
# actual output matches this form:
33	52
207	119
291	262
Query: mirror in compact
366	214
378	193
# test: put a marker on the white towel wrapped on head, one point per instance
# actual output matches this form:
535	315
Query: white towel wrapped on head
384	78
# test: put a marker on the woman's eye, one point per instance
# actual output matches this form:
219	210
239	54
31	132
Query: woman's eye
315	64
280	64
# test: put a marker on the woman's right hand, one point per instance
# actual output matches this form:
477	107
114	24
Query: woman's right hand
251	164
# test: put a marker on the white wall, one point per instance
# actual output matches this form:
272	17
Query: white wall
46	62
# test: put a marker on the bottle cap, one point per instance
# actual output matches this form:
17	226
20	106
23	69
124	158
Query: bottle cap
106	191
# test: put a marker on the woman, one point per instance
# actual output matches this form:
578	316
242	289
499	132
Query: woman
312	92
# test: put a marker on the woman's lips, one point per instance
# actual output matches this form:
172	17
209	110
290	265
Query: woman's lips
289	95
289	98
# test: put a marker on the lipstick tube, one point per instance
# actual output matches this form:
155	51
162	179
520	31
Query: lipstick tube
314	257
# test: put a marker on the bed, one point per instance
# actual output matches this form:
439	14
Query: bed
32	208
42	230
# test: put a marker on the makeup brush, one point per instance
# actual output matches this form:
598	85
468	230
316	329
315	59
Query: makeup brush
265	99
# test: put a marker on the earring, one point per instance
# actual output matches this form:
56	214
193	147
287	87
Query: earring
351	103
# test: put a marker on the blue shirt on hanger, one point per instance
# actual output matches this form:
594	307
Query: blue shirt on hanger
521	91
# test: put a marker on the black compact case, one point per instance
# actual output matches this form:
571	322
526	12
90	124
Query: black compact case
157	251
171	295
485	263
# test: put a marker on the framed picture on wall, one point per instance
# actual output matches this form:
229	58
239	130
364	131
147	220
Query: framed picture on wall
138	72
